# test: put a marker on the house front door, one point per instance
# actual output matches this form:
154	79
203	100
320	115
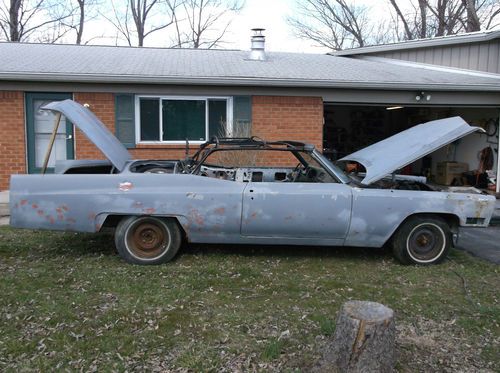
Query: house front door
39	127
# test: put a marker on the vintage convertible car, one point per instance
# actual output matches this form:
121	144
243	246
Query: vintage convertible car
249	191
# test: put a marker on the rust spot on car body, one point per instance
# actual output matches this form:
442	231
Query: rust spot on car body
195	216
91	216
34	206
40	212
220	211
65	207
480	206
71	220
149	210
24	202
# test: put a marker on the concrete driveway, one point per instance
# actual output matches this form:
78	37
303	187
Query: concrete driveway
481	242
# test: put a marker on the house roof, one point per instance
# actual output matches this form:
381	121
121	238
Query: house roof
107	64
439	41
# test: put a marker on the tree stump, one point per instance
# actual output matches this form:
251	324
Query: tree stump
363	340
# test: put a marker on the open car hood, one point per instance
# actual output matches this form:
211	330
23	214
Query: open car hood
94	129
395	152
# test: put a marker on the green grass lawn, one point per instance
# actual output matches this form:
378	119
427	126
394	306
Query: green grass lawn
68	302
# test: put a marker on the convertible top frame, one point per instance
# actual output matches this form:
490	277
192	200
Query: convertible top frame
254	142
251	143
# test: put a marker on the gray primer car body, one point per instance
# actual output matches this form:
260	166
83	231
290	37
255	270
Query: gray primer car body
212	210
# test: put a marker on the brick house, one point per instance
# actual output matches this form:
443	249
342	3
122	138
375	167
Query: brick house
153	99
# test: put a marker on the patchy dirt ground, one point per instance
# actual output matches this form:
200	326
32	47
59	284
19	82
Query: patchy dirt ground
70	303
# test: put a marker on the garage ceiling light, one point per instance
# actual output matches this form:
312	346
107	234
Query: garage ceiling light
394	107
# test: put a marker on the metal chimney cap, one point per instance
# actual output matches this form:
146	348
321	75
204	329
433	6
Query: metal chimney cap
258	31
257	50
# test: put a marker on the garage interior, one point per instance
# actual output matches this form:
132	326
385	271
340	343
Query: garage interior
470	161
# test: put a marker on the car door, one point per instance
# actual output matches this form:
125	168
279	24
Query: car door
296	210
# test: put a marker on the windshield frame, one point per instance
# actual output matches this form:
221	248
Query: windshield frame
335	172
329	166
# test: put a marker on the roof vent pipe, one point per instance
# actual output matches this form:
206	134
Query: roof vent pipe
257	50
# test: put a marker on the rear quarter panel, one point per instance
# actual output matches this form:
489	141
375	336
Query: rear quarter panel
377	213
203	206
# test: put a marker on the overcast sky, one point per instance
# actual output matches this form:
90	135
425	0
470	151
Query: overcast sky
268	14
271	15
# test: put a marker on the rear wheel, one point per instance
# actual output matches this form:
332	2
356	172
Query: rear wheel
422	240
147	239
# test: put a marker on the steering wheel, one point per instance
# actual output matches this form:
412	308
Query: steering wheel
181	167
297	171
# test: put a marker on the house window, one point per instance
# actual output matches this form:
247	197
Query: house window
175	119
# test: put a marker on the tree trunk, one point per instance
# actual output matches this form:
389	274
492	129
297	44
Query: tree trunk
409	34
472	23
14	8
441	17
81	23
422	4
363	340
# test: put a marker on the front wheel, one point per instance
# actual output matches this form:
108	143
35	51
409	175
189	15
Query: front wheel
147	239
422	240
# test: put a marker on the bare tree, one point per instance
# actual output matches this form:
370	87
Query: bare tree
82	16
472	19
403	19
335	24
120	20
422	6
81	21
339	24
82	11
141	9
141	18
488	12
204	23
24	20
431	18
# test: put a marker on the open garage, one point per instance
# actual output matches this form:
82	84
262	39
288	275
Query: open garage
472	160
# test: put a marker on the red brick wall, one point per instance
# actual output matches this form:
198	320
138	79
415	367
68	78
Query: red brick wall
103	106
288	118
12	139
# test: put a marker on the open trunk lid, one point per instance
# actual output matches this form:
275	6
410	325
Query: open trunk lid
94	129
